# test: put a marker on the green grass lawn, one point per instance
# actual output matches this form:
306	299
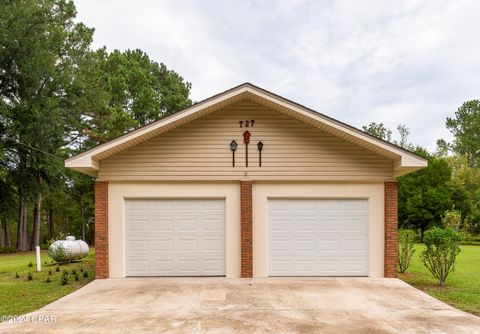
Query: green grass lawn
20	295
462	288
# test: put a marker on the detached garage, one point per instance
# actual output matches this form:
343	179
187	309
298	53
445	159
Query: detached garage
246	184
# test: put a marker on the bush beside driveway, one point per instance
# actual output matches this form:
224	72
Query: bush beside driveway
462	288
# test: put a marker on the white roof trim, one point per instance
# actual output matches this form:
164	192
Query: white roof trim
404	161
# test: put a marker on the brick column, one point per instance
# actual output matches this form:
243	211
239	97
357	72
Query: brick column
101	229
391	228
246	229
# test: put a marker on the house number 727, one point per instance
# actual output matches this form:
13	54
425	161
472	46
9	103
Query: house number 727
247	123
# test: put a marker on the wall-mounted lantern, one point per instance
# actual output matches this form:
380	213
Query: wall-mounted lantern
246	141
260	148
233	148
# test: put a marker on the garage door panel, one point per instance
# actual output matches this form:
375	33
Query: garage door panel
306	245
305	266
161	224
306	225
318	237
138	245
163	245
187	245
139	264
175	237
329	266
212	224
328	224
187	225
138	225
281	265
212	266
282	225
330	245
212	245
279	245
162	267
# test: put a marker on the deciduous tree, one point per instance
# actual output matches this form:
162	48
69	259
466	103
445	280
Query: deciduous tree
465	127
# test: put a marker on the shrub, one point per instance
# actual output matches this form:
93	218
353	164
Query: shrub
30	276
57	269
76	277
74	271
85	274
406	241
8	249
48	280
439	256
452	219
17	275
30	264
65	272
64	280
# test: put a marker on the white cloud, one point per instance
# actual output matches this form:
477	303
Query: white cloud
409	62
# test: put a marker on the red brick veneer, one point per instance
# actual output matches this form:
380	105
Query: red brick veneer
101	229
246	229
391	228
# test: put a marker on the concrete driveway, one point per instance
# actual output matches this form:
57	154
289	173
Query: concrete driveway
219	305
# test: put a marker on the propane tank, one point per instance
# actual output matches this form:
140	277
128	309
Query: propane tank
68	249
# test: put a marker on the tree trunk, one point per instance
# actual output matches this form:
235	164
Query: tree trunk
6	235
51	229
422	232
37	211
82	206
2	236
22	243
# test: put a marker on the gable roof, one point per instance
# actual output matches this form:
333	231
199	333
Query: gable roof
404	160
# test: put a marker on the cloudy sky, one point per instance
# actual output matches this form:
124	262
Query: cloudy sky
396	62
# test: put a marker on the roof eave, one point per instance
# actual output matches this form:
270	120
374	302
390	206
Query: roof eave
408	164
84	164
404	161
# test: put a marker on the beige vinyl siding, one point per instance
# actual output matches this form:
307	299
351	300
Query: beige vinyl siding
200	150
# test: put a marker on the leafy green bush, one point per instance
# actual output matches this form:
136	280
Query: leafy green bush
442	246
64	278
452	219
406	241
17	275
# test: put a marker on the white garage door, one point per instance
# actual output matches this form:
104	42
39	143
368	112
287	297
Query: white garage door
318	237
178	237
